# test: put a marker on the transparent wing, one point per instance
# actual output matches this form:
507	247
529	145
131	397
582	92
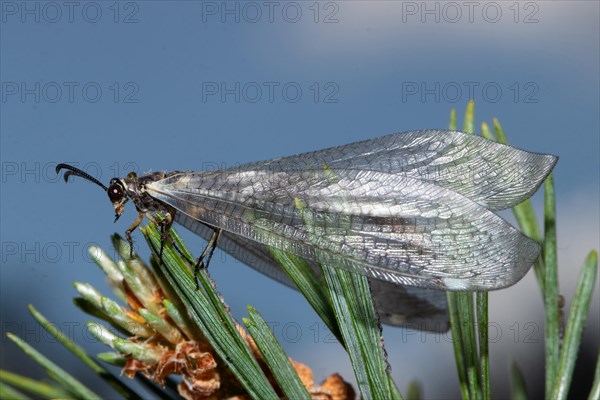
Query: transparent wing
493	175
406	306
385	226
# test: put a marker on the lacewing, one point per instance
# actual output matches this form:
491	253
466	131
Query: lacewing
412	211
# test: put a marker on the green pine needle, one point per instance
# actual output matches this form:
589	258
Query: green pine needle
518	386
577	317
115	383
311	286
359	324
211	316
550	286
32	386
595	392
71	384
274	356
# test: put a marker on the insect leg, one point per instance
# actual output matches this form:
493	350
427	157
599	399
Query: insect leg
165	226
131	228
208	252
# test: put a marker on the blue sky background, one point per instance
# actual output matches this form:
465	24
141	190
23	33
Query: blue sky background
152	86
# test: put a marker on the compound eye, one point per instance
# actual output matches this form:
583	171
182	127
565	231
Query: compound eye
115	192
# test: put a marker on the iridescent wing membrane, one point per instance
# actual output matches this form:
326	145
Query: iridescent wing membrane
410	209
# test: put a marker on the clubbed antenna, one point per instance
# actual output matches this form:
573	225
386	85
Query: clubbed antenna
77	172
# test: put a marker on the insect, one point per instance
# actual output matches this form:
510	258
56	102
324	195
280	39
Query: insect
412	211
